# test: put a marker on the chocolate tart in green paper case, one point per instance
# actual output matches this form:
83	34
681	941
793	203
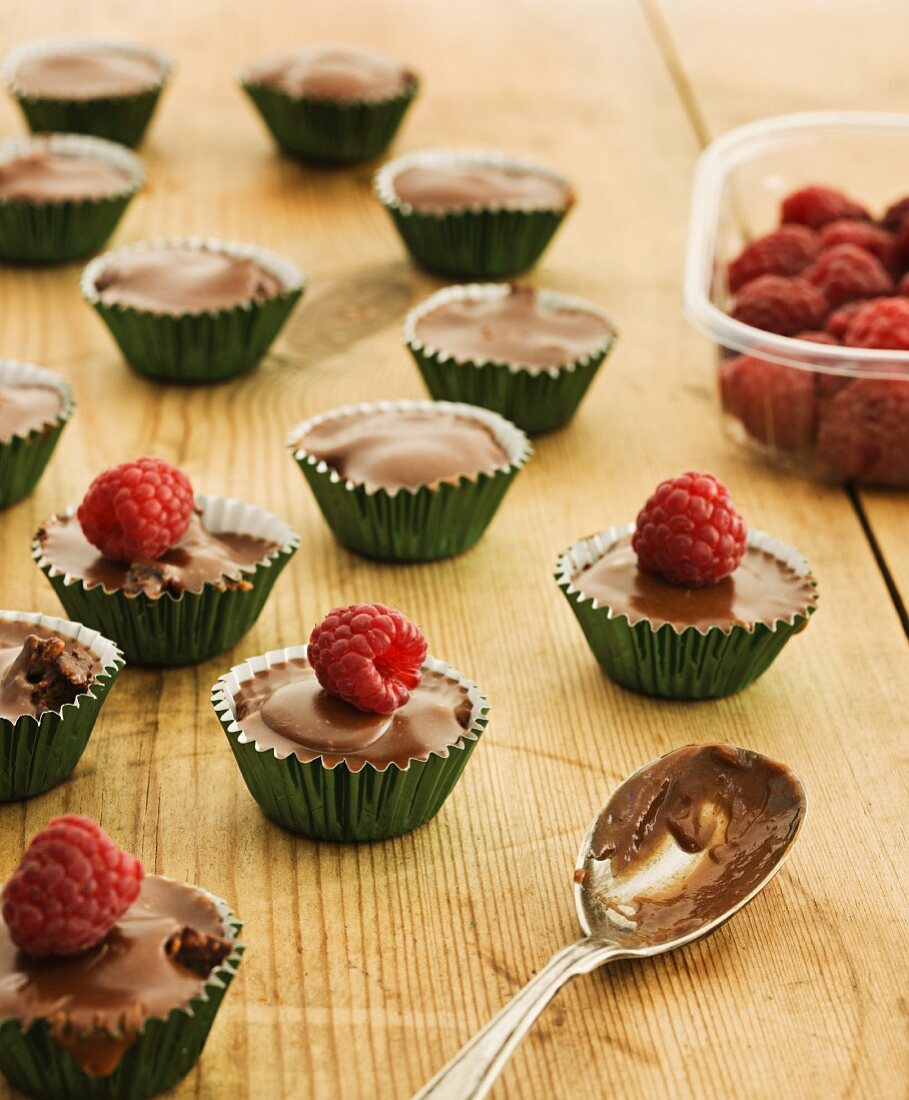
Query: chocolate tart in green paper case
664	640
197	599
331	105
54	678
318	766
80	85
473	214
192	310
35	406
62	195
409	481
125	1023
527	354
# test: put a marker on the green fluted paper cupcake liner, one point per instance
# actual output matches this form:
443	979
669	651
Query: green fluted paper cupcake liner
411	525
54	232
170	630
123	118
671	663
324	131
536	401
336	803
165	1051
38	753
23	458
481	242
208	346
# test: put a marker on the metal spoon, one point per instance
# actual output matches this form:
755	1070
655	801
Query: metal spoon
680	847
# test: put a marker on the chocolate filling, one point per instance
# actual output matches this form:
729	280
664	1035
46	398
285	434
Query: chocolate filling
722	815
41	176
762	590
517	328
183	280
444	188
285	709
26	408
404	448
336	74
200	557
87	72
41	670
97	1003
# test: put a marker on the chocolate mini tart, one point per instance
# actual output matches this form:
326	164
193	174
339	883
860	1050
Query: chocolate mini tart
35	406
686	643
54	678
527	354
190	309
409	480
331	105
318	766
92	86
473	214
197	599
62	195
129	1018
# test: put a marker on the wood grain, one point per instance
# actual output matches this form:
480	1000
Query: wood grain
367	966
733	64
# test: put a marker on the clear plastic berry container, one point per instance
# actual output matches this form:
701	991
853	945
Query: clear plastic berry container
829	412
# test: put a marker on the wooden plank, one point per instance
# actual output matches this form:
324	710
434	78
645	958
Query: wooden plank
367	966
736	62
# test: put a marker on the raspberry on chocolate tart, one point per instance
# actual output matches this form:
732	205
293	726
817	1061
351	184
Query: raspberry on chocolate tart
686	603
150	561
357	736
92	950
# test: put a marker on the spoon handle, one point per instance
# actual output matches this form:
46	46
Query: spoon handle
472	1071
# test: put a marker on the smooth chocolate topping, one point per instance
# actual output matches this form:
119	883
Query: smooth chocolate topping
397	448
450	187
517	328
42	176
87	72
41	670
285	709
183	280
97	1003
731	811
200	557
762	590
25	408
326	73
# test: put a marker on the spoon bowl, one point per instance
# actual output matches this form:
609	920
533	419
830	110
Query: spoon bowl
680	847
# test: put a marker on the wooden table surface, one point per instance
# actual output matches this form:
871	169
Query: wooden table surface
368	966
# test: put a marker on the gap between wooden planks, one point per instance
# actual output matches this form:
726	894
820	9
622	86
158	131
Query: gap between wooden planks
368	966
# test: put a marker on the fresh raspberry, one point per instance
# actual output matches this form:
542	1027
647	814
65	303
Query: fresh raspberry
838	321
864	432
816	205
775	402
689	532
846	272
368	655
903	286
778	304
883	323
872	238
895	215
138	510
70	889
786	251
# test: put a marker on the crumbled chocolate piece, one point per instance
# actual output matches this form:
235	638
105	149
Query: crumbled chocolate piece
240	584
151	577
198	951
47	673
